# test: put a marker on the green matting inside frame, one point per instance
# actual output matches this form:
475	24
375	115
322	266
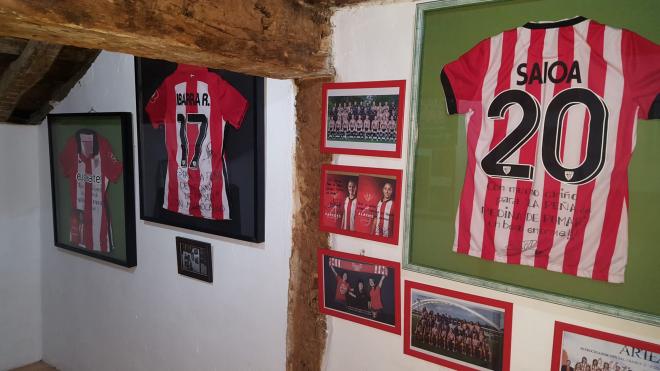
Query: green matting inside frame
110	128
448	30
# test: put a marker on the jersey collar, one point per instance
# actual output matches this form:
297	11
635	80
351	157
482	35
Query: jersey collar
91	132
555	24
188	67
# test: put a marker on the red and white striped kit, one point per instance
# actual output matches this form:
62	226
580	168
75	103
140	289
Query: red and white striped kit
194	105
551	110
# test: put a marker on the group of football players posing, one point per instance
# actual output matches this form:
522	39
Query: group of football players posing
453	335
357	120
595	365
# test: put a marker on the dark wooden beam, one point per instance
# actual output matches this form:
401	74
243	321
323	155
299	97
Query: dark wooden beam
12	46
23	73
15	46
273	38
84	58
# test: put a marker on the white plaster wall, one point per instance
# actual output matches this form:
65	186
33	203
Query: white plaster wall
20	246
98	316
355	347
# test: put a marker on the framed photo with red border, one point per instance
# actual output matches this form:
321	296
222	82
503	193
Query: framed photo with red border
455	329
363	118
361	202
360	289
577	348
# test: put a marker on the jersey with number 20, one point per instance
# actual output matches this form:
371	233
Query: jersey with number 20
194	105
551	110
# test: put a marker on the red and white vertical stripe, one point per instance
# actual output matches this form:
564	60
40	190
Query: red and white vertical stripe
383	218
90	201
197	191
348	220
574	229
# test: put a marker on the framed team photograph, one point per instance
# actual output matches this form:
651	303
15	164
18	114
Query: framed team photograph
500	176
201	148
194	259
363	118
360	289
455	329
577	348
361	202
91	170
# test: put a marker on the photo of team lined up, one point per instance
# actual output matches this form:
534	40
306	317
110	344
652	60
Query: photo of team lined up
456	331
370	118
594	365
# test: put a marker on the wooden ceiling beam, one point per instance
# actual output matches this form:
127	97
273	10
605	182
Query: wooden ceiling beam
23	73
12	46
272	38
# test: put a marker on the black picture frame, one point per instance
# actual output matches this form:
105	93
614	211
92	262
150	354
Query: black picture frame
194	259
106	178
243	152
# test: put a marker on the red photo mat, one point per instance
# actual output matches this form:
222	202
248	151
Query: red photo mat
396	153
636	347
371	265
370	181
407	349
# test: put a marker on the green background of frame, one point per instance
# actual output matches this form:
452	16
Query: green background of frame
446	30
110	128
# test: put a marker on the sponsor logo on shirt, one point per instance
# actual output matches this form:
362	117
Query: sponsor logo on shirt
88	178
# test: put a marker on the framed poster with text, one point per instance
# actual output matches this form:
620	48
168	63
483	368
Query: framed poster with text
577	348
361	202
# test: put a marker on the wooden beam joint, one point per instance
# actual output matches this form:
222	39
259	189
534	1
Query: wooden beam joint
23	73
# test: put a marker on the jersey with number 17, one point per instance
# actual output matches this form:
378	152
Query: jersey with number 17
194	105
551	111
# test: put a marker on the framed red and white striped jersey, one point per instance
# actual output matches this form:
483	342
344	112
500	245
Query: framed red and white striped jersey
89	163
551	111
194	105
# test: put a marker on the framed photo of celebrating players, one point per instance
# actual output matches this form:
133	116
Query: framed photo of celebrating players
363	118
578	348
360	289
201	148
91	169
522	176
455	329
361	202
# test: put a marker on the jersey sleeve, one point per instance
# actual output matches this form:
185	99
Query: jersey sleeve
67	158
641	59
232	104
461	79
112	167
157	106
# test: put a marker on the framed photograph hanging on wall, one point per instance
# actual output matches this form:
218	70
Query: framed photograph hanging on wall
455	329
361	202
581	349
201	148
194	259
91	168
360	289
363	118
